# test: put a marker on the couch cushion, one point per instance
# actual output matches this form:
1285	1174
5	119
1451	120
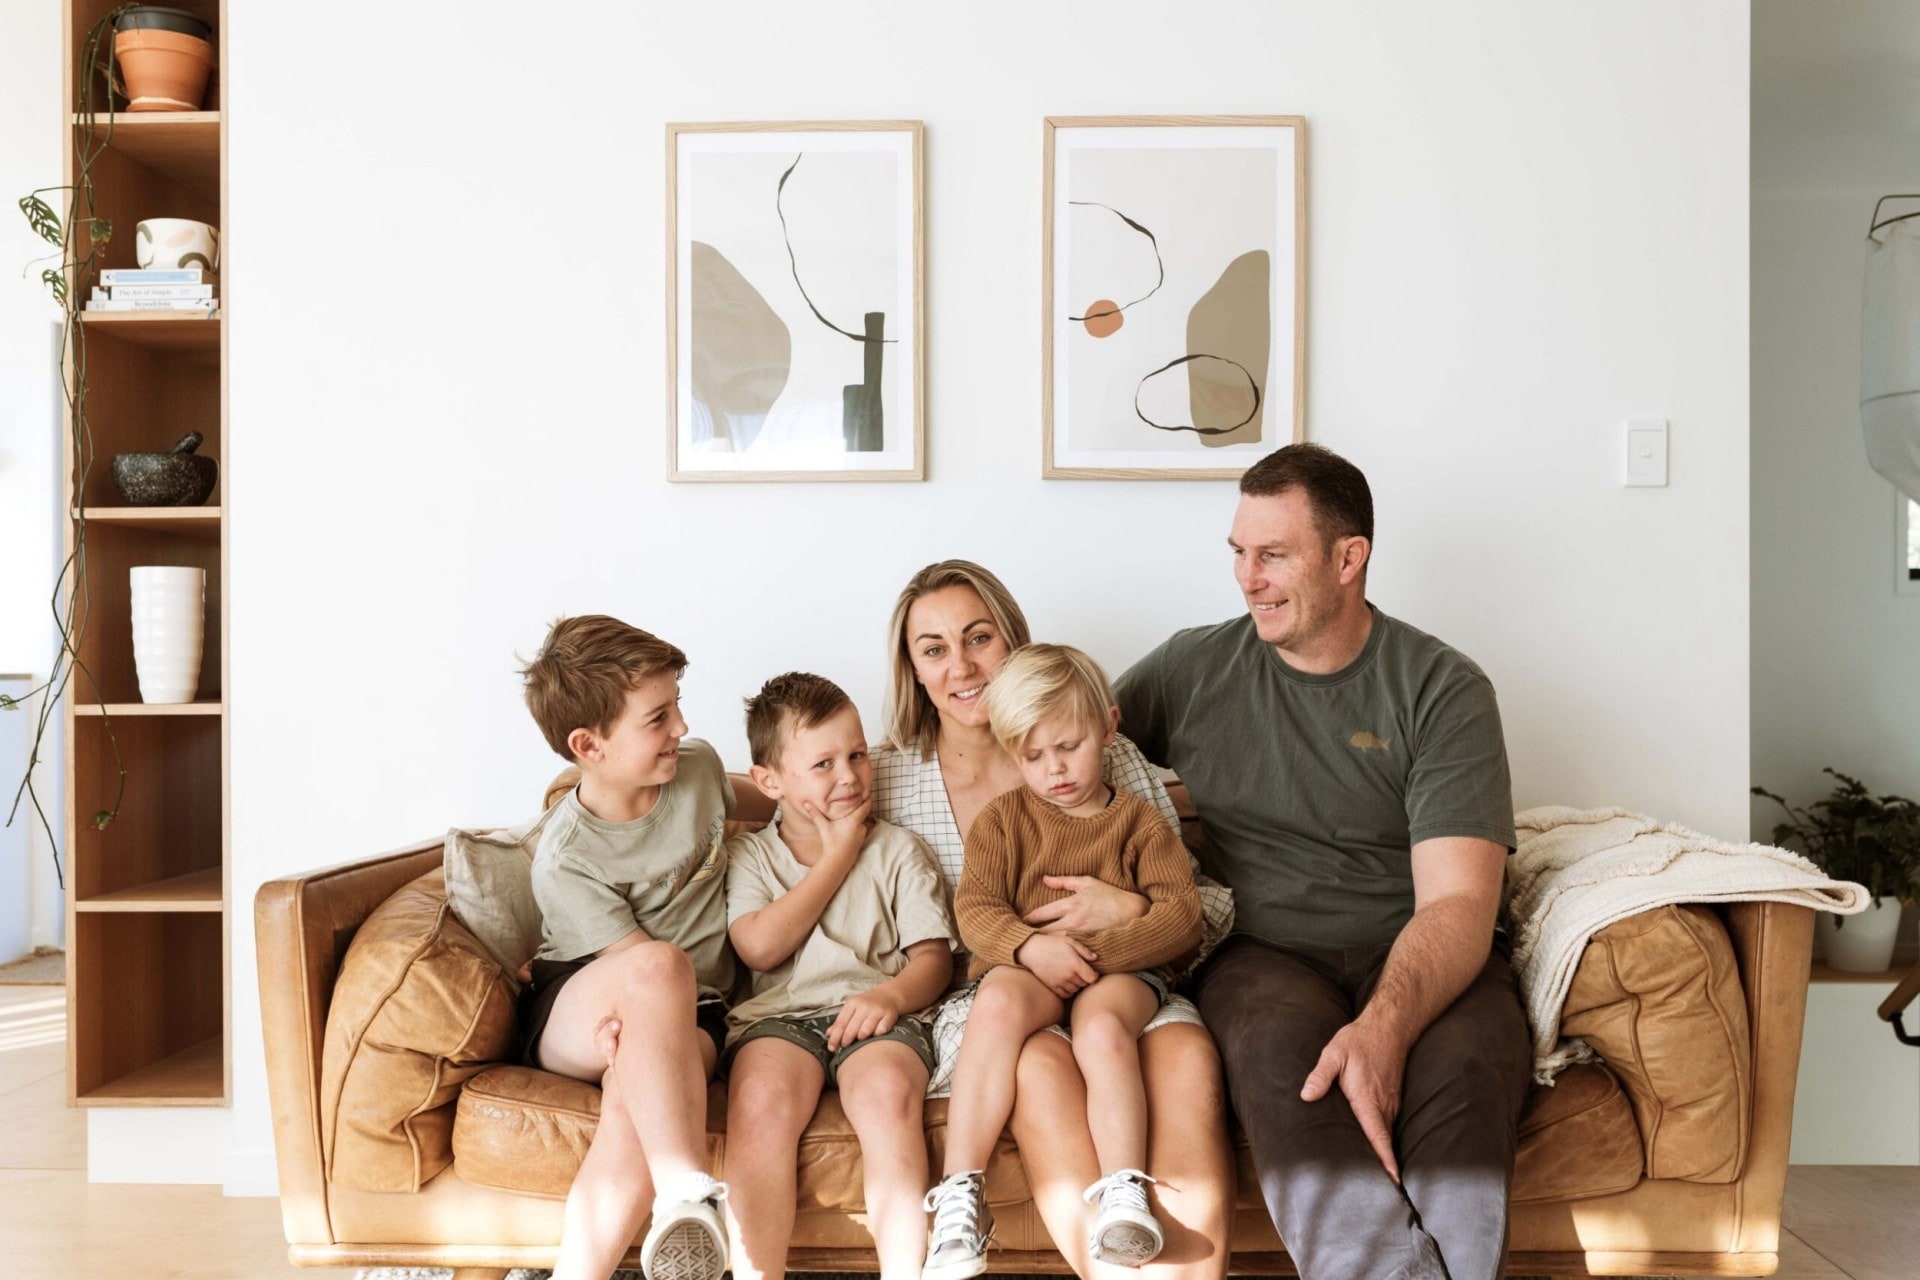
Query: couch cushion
518	1129
418	1008
1577	1140
1658	996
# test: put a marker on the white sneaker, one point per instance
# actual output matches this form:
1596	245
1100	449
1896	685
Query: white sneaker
962	1227
688	1238
1124	1231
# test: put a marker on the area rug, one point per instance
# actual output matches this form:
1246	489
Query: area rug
46	967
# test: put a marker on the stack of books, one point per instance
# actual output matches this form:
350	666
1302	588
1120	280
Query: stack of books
174	289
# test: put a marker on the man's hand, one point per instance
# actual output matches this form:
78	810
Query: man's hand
840	837
1093	906
1368	1065
871	1013
1063	965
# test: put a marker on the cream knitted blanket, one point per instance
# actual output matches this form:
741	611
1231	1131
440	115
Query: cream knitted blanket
1577	871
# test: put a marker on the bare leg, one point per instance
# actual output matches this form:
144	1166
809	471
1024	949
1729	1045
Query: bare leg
664	1060
608	1199
1050	1126
883	1088
1187	1151
654	1095
1107	1018
772	1090
1010	1005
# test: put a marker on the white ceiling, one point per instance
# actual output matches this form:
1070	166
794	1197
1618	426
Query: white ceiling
1836	94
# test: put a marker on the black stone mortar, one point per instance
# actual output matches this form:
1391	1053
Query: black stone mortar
176	478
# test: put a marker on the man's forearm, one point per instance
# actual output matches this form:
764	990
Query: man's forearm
1435	958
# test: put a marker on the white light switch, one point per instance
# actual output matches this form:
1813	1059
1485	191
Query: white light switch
1646	452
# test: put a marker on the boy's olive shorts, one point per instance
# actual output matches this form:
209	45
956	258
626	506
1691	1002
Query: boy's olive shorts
811	1034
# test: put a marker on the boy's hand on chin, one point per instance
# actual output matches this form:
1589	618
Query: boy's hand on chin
871	1013
1064	965
842	836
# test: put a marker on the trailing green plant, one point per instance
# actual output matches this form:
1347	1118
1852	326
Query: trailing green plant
1853	834
78	239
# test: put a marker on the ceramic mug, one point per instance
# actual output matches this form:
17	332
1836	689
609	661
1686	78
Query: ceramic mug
167	243
169	630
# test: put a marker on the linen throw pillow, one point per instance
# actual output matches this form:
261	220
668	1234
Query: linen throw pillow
490	887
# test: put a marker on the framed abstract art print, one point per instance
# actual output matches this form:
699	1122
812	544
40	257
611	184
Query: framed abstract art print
1173	293
794	301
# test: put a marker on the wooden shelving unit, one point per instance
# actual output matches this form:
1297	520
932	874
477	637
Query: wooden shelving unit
147	914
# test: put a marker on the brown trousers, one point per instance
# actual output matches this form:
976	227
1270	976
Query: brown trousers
1272	1009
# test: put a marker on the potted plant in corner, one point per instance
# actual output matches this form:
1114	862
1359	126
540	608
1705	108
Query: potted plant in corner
1873	840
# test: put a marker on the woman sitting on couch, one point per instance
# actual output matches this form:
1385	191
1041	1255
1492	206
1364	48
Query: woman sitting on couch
953	626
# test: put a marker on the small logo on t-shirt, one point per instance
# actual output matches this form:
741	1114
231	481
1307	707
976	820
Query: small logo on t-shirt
716	837
1367	742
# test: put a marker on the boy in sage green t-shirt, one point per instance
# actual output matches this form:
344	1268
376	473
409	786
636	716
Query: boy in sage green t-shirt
625	988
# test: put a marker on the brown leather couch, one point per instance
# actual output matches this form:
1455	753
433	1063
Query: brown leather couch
402	1139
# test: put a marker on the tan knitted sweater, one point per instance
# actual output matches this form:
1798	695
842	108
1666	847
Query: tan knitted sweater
1020	838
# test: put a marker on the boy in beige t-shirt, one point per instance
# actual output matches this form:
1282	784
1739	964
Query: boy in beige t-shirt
845	925
624	991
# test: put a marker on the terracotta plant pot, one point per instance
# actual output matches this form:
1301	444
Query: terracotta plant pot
164	70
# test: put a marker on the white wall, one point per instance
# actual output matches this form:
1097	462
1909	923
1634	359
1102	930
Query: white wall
30	157
1834	647
1834	129
1527	222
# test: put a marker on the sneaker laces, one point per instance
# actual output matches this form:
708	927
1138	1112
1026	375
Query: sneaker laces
955	1203
704	1186
1122	1189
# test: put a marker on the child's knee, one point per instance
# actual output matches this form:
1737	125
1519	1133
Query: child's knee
1007	997
763	1096
1106	1032
891	1092
655	968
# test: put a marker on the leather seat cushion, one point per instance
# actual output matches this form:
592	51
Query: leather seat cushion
418	1008
519	1129
1658	996
522	1130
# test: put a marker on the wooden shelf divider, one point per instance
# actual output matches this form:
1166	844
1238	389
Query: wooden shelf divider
117	709
195	891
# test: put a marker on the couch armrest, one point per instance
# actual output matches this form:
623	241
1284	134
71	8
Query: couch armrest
1774	943
302	926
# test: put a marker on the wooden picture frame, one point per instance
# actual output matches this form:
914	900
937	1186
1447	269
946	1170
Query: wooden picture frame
1186	358
796	328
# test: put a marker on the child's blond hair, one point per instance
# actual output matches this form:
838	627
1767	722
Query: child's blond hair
1038	680
582	675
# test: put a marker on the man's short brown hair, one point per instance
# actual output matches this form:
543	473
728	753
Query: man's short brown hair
584	671
1335	488
796	700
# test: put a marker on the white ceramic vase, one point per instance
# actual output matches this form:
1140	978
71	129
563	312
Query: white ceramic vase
170	243
1862	943
169	630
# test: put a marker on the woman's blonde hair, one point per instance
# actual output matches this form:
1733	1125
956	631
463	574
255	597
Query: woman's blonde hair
912	719
1040	680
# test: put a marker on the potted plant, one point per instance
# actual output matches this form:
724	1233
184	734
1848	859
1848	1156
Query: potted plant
1873	840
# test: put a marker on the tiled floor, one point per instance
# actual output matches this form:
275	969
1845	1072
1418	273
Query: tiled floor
1845	1222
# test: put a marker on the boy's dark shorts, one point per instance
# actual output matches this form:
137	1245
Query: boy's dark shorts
536	1006
811	1034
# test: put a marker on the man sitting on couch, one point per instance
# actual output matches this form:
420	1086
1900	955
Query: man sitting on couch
1352	781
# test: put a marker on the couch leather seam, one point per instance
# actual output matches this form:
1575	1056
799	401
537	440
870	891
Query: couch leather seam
1658	1108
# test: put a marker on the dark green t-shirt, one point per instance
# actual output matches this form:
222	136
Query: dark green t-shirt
1313	790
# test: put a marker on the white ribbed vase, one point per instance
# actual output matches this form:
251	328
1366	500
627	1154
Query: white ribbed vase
169	629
